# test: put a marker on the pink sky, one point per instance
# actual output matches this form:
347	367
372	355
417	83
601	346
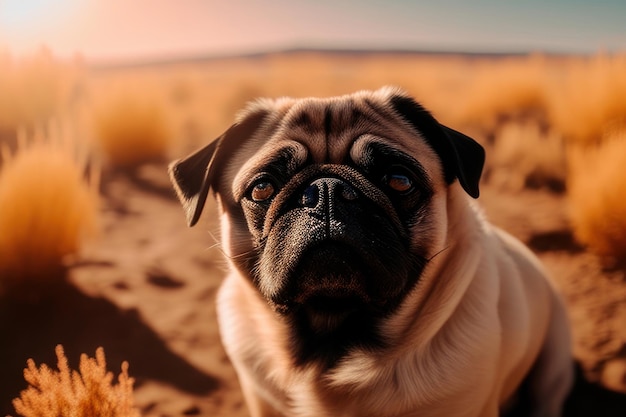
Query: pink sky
145	29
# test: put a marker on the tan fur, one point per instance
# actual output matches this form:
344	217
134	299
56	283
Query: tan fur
486	314
480	318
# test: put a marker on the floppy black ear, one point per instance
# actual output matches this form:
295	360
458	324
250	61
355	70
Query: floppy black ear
195	174
190	177
462	157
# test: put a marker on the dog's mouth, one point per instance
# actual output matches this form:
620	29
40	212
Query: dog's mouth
324	314
327	313
329	286
335	304
335	295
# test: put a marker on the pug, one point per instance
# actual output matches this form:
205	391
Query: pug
364	280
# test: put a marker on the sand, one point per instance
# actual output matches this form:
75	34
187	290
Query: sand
145	291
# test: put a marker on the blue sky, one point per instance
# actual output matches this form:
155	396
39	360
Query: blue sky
143	29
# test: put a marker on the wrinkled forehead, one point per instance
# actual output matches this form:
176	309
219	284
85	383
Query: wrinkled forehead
334	131
328	128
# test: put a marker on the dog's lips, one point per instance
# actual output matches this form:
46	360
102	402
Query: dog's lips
330	285
326	314
334	303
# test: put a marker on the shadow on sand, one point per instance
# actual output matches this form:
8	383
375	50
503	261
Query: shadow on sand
81	324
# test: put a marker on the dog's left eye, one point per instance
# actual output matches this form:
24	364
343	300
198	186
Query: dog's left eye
262	190
398	182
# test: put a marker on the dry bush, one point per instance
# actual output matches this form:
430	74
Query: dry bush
132	126
597	190
563	92
588	98
524	155
201	100
48	205
34	89
527	102
87	393
501	91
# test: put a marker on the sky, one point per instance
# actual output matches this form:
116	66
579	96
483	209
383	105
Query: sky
136	30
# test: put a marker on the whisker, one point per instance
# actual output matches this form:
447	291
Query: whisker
243	255
438	253
214	237
250	254
216	245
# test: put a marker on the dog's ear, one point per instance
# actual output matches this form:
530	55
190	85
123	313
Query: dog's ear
462	157
195	174
469	157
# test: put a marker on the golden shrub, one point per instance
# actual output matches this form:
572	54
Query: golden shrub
524	155
47	208
132	127
588	98
35	88
597	190
503	90
86	393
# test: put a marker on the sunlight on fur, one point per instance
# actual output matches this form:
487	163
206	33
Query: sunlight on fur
88	392
48	206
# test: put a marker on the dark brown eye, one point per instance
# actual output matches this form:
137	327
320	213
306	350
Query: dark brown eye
398	182
262	191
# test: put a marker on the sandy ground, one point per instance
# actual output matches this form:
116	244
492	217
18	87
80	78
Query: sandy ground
145	291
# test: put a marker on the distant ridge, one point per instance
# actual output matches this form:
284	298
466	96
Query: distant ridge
198	59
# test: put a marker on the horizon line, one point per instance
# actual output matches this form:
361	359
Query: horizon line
200	57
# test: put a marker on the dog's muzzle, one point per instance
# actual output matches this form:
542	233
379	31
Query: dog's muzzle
325	191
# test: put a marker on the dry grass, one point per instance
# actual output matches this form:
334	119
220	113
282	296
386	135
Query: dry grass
587	100
525	156
48	205
132	126
86	393
596	191
526	109
34	89
513	89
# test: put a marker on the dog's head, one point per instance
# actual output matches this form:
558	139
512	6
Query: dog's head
332	207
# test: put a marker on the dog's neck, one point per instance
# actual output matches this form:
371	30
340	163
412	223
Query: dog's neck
438	301
425	316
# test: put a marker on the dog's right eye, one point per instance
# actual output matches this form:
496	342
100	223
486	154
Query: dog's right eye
262	190
399	180
399	183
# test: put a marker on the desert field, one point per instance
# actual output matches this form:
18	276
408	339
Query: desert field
95	252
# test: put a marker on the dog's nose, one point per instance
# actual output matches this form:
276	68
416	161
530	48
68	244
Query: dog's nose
327	190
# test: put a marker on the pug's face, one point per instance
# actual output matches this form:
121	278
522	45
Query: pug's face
332	208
